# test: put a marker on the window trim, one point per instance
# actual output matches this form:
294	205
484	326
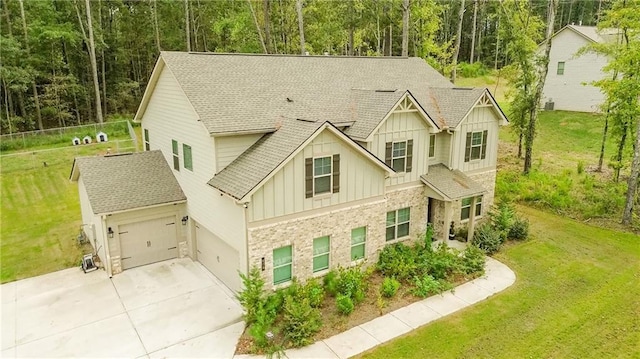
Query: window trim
363	244
398	224
468	206
187	164
432	146
176	155
394	158
277	266
147	143
482	146
560	69
316	255
330	175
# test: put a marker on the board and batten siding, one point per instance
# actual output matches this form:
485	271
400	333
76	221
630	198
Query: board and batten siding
284	193
443	147
571	91
170	116
481	118
88	217
403	126
228	148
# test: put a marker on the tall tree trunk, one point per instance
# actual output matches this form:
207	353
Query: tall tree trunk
352	29
94	63
34	89
405	28
632	182
154	12
103	62
7	100
604	140
456	49
187	24
620	153
255	22
267	25
473	30
390	40
495	63
300	26
543	68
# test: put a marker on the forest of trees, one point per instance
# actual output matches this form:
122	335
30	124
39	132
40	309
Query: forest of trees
72	62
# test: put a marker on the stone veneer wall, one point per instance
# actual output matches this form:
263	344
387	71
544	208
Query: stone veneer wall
300	232
488	181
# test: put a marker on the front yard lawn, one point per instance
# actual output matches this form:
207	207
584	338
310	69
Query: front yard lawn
577	295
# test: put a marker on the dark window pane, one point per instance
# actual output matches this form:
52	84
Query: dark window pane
403	230
398	164
322	185
391	233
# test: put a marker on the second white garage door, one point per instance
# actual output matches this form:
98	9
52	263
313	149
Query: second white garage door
221	259
148	241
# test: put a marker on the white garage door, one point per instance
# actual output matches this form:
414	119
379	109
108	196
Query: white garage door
220	258
148	241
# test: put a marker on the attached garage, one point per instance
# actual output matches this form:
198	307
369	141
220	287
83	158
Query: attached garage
148	241
220	258
132	209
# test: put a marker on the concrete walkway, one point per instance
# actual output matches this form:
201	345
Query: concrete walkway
392	325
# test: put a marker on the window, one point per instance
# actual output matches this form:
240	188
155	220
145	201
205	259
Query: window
176	156
321	249
322	175
432	146
186	153
476	146
358	239
147	146
398	224
398	155
560	70
282	265
465	209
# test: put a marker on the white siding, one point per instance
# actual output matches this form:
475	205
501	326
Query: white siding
87	212
401	126
228	148
284	193
479	119
169	115
567	91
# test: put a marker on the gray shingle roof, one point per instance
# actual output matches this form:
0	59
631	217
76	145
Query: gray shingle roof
453	184
239	92
448	106
368	108
128	181
256	163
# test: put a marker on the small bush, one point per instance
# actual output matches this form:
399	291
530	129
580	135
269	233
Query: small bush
300	321
345	304
389	287
428	234
502	217
426	286
580	167
487	238
475	69
252	297
472	260
462	233
519	230
441	262
330	281
352	282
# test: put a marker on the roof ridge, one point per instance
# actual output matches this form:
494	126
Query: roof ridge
292	55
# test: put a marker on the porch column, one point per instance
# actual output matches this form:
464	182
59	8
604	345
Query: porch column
448	215
472	217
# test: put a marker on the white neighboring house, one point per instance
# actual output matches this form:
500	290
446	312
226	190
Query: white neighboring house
568	83
296	164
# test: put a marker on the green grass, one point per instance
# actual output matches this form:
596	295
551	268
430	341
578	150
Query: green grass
577	295
40	210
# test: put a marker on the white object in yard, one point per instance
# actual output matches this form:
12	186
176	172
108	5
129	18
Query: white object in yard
86	140
102	137
75	141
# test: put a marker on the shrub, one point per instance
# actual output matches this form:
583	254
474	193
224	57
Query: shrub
472	260
300	321
487	238
580	167
425	286
389	287
352	282
462	233
330	281
398	261
428	234
475	69
519	230
502	217
263	324
439	263
345	304
311	290
252	296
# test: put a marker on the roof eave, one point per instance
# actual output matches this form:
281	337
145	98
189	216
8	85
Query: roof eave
142	207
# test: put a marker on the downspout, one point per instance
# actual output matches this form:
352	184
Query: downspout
448	129
107	255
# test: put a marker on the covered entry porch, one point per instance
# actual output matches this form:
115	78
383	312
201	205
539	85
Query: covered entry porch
454	201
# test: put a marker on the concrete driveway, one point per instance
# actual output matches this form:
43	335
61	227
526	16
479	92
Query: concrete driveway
174	308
